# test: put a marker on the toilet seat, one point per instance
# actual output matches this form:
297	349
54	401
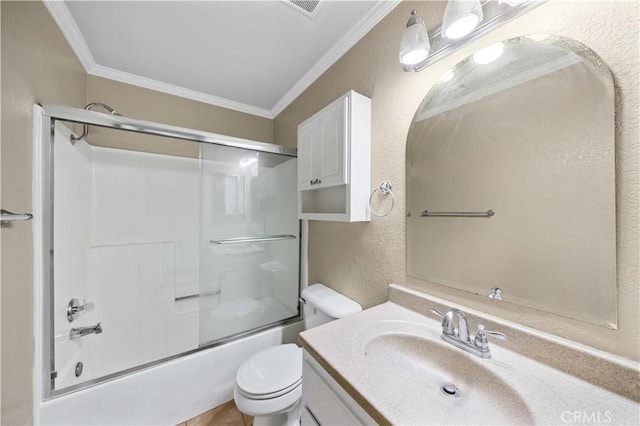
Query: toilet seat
268	407
270	395
271	373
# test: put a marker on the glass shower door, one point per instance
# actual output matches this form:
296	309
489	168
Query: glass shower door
160	242
249	253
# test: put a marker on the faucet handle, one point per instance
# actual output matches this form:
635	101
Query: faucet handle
481	341
74	308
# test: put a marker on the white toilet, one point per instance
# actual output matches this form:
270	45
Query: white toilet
269	384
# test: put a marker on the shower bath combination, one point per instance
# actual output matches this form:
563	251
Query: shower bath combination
173	243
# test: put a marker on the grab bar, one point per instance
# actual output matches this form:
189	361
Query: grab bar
488	213
85	331
193	296
253	239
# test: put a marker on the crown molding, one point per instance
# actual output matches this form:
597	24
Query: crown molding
359	30
71	32
171	89
66	23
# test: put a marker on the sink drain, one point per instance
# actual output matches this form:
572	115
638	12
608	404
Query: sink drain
450	389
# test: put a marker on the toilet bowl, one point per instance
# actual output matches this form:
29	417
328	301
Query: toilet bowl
269	384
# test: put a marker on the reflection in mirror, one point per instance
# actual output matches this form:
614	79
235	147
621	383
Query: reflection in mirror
524	128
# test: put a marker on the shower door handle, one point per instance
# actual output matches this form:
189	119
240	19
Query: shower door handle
7	217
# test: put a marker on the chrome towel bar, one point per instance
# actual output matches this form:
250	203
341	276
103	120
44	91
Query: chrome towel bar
193	296
7	217
253	239
488	213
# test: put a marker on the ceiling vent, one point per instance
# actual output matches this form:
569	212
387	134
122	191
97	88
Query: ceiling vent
306	7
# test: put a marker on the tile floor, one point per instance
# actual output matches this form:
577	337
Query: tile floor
226	414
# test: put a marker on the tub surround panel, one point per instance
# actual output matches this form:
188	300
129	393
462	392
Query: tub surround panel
360	260
131	267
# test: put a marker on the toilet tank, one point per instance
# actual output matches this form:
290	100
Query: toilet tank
323	305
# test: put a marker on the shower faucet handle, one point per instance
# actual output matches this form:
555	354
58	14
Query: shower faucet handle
74	308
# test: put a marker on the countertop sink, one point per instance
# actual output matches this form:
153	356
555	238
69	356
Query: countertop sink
410	360
393	362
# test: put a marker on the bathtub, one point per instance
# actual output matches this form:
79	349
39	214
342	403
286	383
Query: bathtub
169	393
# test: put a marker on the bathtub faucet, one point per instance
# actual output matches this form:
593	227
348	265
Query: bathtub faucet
78	332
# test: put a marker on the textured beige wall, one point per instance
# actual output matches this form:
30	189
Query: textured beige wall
361	259
39	66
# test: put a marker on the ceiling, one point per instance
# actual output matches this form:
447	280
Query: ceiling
250	56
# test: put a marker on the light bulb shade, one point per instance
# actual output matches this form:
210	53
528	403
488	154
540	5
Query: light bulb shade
415	45
460	18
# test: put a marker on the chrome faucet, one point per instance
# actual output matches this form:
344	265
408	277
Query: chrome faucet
78	332
461	332
459	336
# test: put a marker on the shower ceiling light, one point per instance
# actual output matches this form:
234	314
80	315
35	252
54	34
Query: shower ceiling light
415	45
460	18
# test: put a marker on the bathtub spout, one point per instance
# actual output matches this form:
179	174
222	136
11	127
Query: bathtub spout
78	332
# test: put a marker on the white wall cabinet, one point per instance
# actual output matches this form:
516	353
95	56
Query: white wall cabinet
325	402
334	161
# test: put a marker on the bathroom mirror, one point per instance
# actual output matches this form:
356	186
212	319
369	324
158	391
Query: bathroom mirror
517	141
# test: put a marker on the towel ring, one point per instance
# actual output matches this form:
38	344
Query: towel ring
385	189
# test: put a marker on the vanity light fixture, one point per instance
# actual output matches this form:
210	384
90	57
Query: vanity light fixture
464	21
415	45
461	17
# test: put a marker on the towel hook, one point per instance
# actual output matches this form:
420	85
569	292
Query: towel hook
385	189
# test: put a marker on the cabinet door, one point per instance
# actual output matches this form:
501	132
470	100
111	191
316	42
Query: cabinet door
308	161
332	144
325	406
